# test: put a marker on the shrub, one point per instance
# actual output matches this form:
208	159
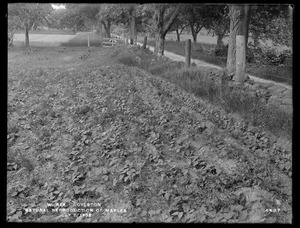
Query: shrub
221	50
269	55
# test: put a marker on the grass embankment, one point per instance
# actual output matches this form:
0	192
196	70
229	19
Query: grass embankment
204	52
198	81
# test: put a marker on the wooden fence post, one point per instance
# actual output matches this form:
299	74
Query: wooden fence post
188	53
88	41
145	42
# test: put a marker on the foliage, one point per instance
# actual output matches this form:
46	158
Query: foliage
271	22
164	15
280	31
219	24
221	50
269	55
79	17
30	13
199	16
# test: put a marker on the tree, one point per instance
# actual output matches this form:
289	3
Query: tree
238	27
134	17
13	23
106	16
269	22
80	17
30	13
199	16
164	16
219	25
179	25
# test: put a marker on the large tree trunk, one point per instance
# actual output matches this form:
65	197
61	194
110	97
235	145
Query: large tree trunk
156	44
194	37
26	35
107	31
241	44
247	9
145	42
240	59
133	33
234	20
162	27
220	42
107	28
239	22
161	45
178	35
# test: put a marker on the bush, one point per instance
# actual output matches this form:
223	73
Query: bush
269	55
221	51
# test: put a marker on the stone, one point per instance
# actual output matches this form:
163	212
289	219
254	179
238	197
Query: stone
277	88
265	85
255	86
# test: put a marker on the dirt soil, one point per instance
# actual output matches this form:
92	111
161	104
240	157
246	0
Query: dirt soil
84	129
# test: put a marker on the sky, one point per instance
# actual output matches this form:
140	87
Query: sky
57	6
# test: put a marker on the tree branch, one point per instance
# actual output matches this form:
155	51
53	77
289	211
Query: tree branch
172	19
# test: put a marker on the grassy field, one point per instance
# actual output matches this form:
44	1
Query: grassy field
42	40
51	31
200	50
81	39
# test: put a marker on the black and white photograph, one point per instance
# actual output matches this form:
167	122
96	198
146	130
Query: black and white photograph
149	113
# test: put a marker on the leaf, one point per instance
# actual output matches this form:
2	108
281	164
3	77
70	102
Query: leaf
167	196
243	215
79	219
229	215
14	193
180	215
115	182
168	220
113	162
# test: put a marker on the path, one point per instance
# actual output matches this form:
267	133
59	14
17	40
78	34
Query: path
176	57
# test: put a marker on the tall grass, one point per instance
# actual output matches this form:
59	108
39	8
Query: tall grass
232	99
209	84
